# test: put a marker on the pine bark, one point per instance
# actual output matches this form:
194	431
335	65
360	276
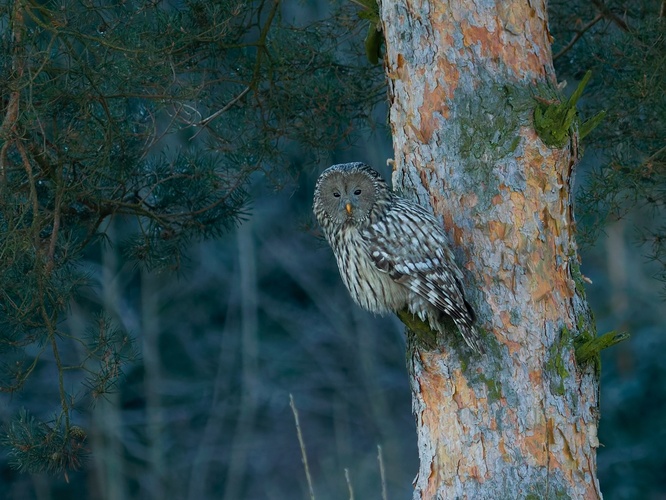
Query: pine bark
520	421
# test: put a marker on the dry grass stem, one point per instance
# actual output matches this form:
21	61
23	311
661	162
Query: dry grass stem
302	444
382	472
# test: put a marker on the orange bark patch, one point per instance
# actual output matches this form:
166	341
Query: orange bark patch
470	200
491	45
449	226
535	445
513	346
474	472
399	68
550	223
464	396
534	63
434	101
448	220
433	382
448	75
536	378
496	230
436	95
502	449
506	319
542	288
565	459
547	277
444	398
518	201
521	25
506	42
522	59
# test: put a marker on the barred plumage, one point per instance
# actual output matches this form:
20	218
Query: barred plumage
391	252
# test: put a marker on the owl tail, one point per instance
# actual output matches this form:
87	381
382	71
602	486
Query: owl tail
470	335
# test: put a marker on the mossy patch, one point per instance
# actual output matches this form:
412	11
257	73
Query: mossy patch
556	119
487	133
494	387
576	275
556	365
424	336
588	347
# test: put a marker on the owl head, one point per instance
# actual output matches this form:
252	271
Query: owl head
347	194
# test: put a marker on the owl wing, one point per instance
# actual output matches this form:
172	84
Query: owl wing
410	246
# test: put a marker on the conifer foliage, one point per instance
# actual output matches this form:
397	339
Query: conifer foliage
623	44
154	114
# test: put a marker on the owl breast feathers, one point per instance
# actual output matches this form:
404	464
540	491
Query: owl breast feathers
391	252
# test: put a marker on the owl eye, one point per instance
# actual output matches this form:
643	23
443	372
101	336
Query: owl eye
336	194
357	192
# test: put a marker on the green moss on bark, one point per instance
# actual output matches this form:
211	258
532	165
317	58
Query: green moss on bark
555	364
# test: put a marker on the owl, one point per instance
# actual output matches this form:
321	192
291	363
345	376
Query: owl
391	252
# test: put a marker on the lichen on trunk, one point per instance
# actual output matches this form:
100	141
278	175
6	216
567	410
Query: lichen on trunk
520	420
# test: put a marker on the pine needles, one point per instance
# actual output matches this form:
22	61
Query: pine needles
103	124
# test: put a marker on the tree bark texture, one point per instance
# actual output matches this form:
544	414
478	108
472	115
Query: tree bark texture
519	421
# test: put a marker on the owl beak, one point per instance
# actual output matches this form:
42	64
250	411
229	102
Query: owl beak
348	207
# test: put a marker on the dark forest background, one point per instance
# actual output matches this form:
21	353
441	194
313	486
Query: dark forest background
187	288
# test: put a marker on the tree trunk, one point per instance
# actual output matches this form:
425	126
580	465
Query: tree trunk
519	421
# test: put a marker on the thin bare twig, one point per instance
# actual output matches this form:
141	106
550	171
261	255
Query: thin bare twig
261	47
50	323
349	485
578	35
33	190
18	63
302	445
50	258
610	15
382	472
206	121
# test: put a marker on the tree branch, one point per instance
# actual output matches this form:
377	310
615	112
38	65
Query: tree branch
611	16
33	191
577	36
56	223
9	122
206	121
